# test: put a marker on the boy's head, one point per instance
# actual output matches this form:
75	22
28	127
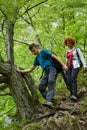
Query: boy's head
34	48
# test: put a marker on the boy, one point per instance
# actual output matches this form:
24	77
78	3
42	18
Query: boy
49	78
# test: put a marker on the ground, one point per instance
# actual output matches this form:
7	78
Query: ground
66	115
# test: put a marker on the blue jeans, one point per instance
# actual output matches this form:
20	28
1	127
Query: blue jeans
48	80
71	76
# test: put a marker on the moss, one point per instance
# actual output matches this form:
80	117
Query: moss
35	126
70	122
75	123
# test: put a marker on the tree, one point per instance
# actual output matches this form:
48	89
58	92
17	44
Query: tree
22	87
51	22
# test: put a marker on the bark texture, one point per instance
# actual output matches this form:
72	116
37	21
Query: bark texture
20	88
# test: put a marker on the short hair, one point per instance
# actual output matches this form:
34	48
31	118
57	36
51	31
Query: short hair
69	39
33	45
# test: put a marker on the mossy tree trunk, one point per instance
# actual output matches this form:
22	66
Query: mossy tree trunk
22	87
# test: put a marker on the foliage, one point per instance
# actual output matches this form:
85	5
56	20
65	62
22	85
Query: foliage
7	107
51	21
11	126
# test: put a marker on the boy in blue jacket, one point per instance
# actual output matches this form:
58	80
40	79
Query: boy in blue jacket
49	78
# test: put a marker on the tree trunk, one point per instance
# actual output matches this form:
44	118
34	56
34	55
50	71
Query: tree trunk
18	84
21	95
9	42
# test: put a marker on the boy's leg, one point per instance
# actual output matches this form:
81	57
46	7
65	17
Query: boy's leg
51	84
42	86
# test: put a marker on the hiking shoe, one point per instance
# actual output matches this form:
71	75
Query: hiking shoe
73	98
48	104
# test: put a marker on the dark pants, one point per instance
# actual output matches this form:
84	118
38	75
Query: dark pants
48	80
71	76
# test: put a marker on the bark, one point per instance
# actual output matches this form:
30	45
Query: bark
31	87
18	84
22	96
9	42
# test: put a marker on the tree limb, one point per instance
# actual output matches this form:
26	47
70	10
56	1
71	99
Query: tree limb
7	111
6	94
3	87
33	7
3	12
21	42
3	79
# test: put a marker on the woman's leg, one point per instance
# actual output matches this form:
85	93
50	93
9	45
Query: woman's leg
74	81
68	77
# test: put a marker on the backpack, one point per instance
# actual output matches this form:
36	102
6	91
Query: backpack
55	63
80	62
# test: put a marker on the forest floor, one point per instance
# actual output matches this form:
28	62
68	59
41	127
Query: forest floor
66	115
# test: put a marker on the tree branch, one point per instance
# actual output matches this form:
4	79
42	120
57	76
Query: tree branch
25	20
30	17
6	94
35	13
7	111
3	12
3	79
21	42
5	68
3	87
33	7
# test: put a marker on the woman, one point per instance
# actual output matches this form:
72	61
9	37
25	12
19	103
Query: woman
73	64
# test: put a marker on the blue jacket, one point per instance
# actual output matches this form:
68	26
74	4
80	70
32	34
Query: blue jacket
42	61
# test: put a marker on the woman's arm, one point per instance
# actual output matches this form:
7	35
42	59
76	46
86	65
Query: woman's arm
82	58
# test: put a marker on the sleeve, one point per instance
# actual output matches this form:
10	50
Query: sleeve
47	52
36	63
82	57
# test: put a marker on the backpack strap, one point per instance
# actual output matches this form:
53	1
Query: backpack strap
81	64
48	57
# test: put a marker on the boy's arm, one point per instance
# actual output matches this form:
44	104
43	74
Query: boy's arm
60	61
26	70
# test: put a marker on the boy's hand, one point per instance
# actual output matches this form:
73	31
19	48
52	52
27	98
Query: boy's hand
18	69
65	68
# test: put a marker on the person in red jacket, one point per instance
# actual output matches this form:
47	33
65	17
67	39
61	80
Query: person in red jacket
73	63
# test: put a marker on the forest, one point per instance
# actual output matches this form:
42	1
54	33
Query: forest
46	23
